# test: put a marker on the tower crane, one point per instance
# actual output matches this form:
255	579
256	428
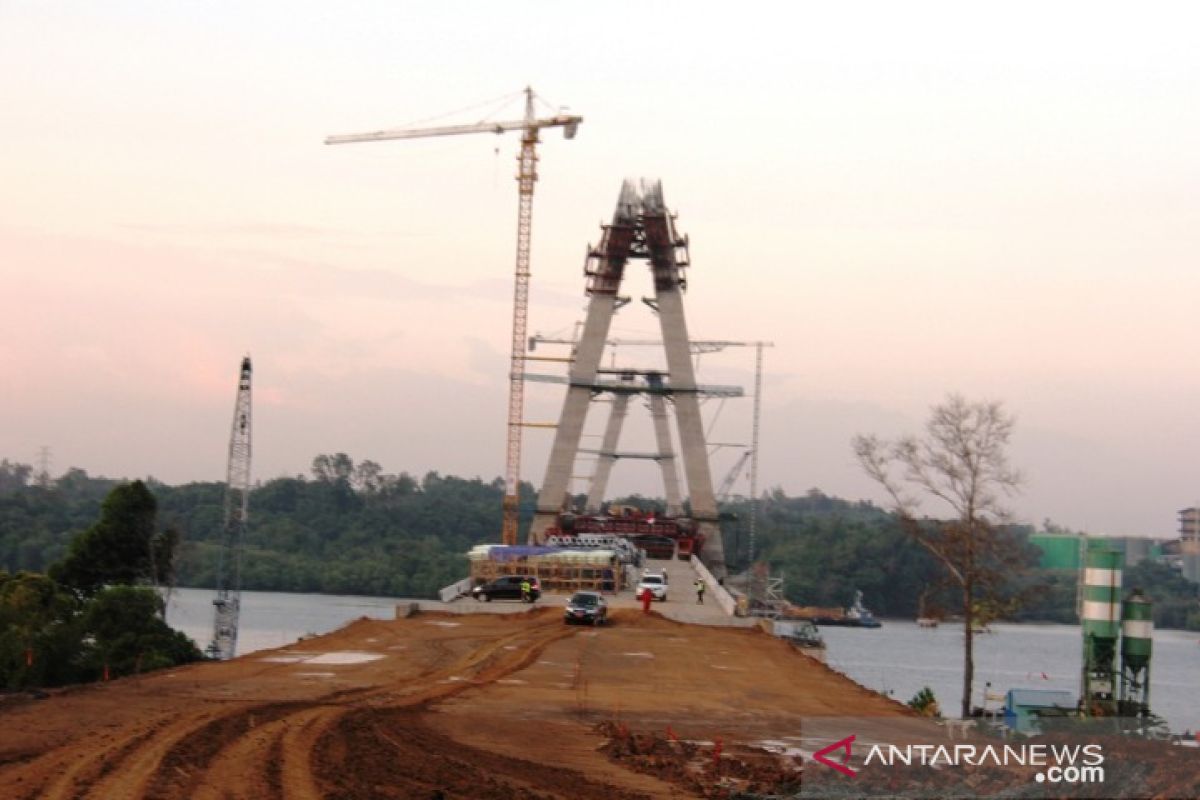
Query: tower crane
228	602
530	126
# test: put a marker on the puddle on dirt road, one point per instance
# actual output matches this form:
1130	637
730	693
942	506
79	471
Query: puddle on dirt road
640	655
344	657
293	657
442	623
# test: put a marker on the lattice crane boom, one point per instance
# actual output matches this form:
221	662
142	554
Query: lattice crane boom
227	604
734	473
530	126
569	124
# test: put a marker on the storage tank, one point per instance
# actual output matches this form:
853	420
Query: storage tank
1100	614
1137	630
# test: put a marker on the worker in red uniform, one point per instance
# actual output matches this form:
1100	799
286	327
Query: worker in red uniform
646	597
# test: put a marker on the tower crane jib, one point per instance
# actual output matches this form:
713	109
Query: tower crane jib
530	126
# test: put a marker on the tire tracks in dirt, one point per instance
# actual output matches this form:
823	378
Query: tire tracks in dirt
387	750
267	750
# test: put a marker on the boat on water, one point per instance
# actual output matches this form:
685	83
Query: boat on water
856	616
803	633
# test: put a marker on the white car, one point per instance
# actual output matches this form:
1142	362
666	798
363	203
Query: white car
656	582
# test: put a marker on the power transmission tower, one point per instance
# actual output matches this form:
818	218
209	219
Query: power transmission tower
228	602
43	473
530	126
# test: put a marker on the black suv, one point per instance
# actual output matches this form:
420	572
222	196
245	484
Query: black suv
507	588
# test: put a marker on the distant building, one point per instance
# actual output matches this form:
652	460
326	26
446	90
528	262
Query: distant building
1064	550
1059	550
1189	531
1189	543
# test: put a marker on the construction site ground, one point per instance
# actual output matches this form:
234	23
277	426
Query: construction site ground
439	705
492	706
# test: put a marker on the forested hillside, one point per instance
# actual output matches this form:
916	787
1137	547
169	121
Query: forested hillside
351	528
347	528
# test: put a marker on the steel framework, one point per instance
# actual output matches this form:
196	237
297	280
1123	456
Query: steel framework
228	602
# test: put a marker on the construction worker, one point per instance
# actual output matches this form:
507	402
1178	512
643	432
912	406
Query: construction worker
526	591
699	591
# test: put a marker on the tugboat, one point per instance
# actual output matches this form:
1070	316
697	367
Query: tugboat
858	614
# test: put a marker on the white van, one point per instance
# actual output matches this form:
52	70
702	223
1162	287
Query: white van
656	582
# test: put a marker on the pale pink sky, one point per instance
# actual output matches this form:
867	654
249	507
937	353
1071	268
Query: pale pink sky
909	199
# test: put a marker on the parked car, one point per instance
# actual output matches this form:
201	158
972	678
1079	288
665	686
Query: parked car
656	582
586	607
507	588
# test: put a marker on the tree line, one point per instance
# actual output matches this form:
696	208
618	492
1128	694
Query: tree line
93	614
351	528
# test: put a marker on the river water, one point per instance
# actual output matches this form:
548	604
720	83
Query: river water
901	658
273	619
897	659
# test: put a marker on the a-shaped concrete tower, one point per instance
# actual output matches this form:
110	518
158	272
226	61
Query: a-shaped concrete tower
641	228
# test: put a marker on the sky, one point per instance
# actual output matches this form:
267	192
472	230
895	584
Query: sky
908	200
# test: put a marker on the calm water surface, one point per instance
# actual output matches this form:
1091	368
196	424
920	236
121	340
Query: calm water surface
900	658
273	619
897	659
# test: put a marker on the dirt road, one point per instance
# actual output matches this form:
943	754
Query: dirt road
478	706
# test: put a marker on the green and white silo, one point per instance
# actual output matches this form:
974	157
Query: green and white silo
1100	613
1137	629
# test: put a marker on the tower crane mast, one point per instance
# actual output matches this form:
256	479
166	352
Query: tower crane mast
227	604
530	126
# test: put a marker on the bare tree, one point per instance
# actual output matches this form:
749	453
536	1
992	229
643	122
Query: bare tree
961	462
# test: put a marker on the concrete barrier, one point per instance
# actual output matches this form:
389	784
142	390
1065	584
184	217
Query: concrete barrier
715	590
454	590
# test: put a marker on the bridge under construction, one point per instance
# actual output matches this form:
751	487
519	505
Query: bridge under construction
642	228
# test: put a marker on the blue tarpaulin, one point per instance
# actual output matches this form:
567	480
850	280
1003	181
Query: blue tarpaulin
513	552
